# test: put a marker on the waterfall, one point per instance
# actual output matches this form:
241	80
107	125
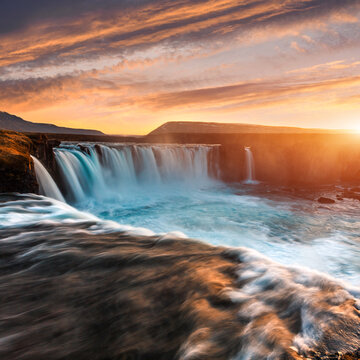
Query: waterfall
47	185
250	166
102	172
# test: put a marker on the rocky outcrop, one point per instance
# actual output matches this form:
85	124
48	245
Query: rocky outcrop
42	148
325	200
16	166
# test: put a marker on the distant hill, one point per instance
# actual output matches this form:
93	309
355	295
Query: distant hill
184	127
12	122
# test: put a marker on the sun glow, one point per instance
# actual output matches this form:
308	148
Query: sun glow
357	129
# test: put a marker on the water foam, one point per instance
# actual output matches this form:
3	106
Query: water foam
259	308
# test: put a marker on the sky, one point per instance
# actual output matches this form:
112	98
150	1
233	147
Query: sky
128	66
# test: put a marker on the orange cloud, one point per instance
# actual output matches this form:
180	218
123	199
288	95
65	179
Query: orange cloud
152	24
143	61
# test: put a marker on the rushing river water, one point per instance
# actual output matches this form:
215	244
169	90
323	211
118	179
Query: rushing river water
74	286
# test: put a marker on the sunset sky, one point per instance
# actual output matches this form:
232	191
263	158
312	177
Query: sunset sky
127	66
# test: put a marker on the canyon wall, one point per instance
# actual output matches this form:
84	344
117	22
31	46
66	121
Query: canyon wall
283	159
280	159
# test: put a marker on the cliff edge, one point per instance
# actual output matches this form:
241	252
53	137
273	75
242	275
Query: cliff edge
16	166
17	172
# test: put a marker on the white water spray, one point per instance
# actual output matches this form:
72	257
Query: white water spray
47	185
250	166
102	172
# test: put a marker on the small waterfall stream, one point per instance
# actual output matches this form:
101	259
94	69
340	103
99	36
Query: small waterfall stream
47	185
250	166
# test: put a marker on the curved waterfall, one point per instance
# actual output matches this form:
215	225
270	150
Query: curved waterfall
100	171
47	185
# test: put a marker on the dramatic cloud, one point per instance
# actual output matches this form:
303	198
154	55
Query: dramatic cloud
248	93
124	57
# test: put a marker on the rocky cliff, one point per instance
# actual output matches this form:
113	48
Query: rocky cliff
282	159
16	166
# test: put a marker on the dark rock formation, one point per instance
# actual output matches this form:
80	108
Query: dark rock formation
325	200
16	166
42	148
12	122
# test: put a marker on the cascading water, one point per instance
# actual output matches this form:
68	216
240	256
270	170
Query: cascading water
172	188
47	185
100	172
250	167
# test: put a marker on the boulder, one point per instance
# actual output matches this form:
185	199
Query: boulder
325	200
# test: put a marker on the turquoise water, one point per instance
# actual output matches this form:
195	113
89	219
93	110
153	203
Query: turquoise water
291	232
57	257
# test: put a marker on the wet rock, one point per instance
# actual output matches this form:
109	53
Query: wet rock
325	200
42	149
98	150
17	172
84	149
